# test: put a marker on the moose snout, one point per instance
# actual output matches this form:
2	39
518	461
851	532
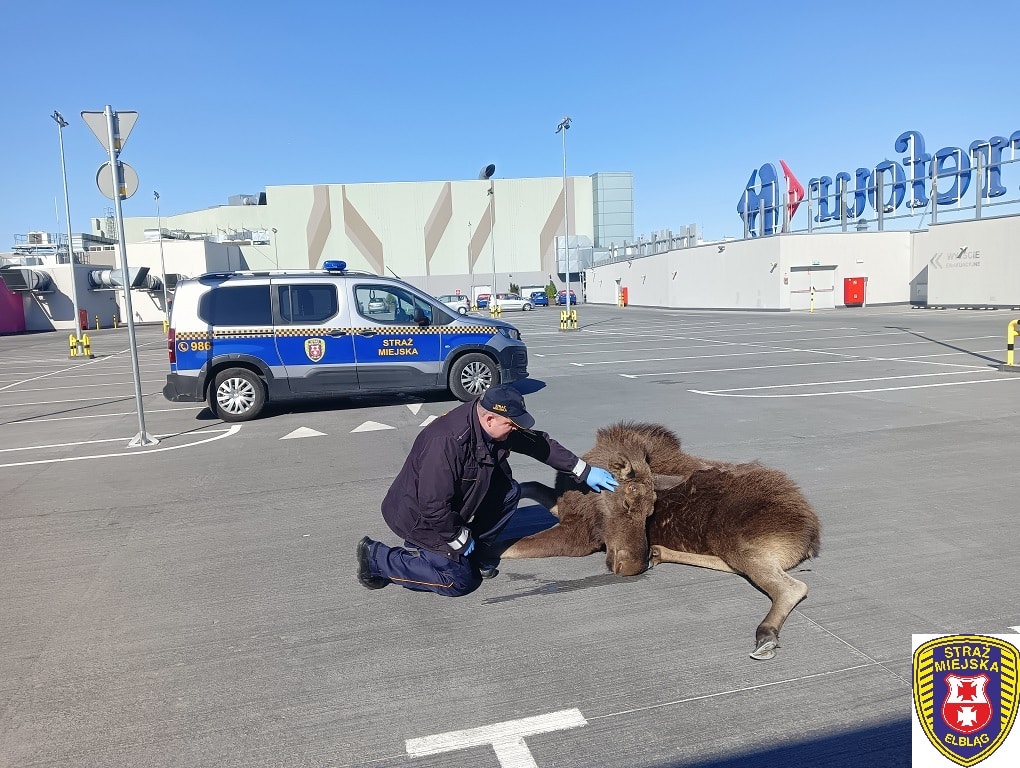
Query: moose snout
622	563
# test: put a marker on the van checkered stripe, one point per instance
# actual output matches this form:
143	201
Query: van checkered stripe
263	333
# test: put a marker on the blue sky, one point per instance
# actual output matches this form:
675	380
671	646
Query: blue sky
690	98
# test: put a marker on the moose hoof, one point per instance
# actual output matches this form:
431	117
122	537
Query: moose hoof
653	558
765	651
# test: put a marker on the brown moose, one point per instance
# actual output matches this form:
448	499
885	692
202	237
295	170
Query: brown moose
672	507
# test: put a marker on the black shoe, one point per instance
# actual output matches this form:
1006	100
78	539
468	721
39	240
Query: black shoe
488	570
364	572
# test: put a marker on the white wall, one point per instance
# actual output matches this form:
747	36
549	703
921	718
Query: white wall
899	267
970	263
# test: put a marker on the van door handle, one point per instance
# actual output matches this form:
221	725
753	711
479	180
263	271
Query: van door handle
367	332
339	332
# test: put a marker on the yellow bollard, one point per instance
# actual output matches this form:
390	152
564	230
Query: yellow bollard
573	319
74	345
812	305
1011	334
86	345
166	327
97	322
115	322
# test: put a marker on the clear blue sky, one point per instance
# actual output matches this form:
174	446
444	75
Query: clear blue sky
690	97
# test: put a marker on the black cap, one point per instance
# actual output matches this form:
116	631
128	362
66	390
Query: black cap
504	400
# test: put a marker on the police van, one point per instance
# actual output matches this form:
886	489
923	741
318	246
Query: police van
239	340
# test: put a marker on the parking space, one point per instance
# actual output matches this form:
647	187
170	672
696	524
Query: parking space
193	603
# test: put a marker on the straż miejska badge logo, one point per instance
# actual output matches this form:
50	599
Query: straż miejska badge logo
315	349
965	694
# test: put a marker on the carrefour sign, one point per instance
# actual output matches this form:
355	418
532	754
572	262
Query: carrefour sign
946	176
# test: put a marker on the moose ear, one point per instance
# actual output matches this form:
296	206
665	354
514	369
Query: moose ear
624	470
666	482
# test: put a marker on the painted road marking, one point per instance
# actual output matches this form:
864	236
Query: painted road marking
725	393
371	426
38	420
145	452
303	432
506	738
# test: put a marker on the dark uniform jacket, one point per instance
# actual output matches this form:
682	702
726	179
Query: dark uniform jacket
455	479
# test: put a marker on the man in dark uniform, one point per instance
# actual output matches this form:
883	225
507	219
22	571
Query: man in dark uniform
455	494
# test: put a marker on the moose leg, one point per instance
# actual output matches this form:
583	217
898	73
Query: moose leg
661	554
562	540
541	493
785	591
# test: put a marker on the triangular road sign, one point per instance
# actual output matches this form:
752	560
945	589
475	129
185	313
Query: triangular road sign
123	122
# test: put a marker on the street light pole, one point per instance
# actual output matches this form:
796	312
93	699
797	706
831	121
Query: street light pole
562	129
162	264
61	124
492	243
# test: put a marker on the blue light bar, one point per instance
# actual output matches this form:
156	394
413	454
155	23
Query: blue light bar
335	266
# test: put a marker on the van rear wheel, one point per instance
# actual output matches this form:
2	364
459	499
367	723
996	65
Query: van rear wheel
471	375
238	395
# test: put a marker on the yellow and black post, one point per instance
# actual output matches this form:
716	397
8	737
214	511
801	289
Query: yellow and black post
1012	331
86	346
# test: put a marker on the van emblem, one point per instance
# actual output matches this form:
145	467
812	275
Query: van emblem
315	349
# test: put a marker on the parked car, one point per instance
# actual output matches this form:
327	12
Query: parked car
375	306
511	301
239	340
458	302
539	299
561	298
482	301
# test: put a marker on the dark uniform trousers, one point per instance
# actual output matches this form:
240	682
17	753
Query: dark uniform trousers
419	569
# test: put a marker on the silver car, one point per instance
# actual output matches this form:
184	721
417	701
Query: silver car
457	302
509	301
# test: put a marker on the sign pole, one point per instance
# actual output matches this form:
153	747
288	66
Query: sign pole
143	438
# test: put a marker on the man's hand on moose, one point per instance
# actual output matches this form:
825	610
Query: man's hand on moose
601	480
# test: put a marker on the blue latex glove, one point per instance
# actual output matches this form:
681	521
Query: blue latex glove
601	480
469	548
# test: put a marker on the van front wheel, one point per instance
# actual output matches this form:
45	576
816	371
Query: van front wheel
238	395
471	375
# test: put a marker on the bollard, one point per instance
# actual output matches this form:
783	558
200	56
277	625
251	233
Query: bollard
115	322
74	345
166	327
97	322
86	345
812	305
563	319
495	311
1011	334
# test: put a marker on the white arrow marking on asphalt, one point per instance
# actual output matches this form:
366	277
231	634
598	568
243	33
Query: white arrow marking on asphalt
428	421
371	426
506	739
1016	629
303	432
415	407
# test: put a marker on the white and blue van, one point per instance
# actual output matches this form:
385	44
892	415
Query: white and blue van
242	339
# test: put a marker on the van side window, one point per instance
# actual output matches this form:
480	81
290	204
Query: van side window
307	303
236	305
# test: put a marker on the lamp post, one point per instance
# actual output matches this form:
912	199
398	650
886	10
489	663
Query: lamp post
61	124
162	264
562	129
492	244
276	250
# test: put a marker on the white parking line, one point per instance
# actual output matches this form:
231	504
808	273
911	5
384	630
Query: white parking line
726	393
77	400
131	452
34	420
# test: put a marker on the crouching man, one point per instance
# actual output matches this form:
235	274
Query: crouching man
455	494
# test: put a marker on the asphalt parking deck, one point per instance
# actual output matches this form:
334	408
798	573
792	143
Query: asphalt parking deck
193	603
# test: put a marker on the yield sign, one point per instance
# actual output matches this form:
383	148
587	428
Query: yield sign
123	122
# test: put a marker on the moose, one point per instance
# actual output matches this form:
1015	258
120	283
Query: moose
672	507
